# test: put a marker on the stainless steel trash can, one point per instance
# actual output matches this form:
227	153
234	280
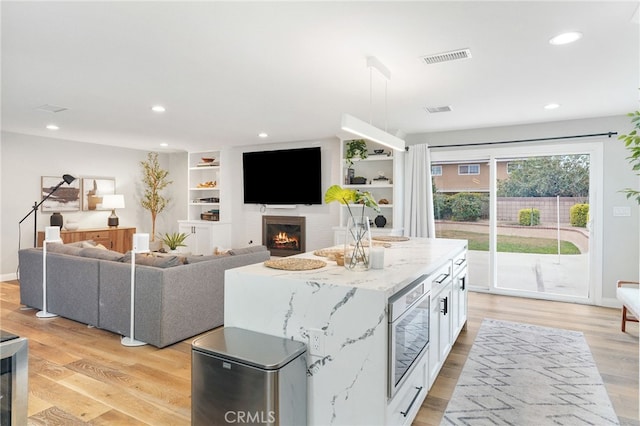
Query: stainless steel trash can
243	377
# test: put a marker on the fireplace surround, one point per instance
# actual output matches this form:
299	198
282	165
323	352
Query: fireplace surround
284	235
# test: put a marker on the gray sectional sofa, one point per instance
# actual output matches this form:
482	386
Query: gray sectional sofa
174	300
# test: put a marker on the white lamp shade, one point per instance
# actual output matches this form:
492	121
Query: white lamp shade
113	201
52	233
140	243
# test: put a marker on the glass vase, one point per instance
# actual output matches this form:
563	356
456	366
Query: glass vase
357	243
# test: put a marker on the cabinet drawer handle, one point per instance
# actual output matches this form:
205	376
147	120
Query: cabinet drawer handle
460	261
441	278
463	281
445	305
418	390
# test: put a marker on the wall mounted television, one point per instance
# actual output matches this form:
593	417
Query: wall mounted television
286	176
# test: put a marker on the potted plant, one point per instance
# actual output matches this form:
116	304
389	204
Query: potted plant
155	180
632	142
174	240
358	234
356	148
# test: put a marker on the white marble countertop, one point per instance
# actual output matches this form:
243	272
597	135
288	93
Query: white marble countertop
403	262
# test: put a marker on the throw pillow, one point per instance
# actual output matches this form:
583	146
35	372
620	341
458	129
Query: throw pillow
64	249
157	261
101	254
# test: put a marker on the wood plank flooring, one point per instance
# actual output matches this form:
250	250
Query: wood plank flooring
80	375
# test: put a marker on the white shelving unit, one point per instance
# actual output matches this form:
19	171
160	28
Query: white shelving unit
206	198
390	165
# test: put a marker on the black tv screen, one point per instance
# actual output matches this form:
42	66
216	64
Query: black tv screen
286	176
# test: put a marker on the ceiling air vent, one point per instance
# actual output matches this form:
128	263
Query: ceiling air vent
51	108
433	110
453	55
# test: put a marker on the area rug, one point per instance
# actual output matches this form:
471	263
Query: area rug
521	374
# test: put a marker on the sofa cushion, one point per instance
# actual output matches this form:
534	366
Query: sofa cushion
246	250
196	259
101	254
64	249
157	261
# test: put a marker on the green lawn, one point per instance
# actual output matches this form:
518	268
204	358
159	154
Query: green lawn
511	244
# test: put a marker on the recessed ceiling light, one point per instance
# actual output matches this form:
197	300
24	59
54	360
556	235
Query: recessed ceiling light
52	127
551	106
263	135
164	144
566	38
158	108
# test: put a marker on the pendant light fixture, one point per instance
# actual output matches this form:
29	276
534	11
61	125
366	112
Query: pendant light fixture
366	130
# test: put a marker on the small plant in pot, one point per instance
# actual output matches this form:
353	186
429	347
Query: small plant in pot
356	148
174	240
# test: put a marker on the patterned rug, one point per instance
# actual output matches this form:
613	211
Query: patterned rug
520	374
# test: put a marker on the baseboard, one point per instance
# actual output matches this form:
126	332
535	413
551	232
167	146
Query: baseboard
609	302
8	277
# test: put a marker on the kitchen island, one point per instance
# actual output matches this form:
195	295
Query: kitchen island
343	317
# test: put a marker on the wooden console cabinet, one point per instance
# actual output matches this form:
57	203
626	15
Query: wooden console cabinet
117	239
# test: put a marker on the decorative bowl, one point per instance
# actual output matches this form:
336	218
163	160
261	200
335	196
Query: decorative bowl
208	160
71	226
378	151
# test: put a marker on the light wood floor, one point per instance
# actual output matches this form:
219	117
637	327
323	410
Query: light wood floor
80	375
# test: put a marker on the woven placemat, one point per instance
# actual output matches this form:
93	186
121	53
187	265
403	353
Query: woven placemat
390	238
328	252
295	264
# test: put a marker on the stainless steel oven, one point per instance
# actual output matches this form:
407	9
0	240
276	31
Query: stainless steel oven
408	331
14	353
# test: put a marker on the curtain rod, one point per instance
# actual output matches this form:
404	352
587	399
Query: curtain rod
608	134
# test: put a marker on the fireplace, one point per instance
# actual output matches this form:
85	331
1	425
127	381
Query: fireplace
283	235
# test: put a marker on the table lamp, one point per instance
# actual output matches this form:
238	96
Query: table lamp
113	202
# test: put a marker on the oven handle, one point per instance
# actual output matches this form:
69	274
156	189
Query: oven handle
418	390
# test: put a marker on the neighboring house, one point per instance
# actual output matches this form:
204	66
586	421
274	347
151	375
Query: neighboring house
451	178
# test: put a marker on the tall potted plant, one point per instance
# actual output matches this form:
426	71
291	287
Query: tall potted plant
155	180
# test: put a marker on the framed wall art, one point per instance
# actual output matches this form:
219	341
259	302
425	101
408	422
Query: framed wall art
93	188
65	199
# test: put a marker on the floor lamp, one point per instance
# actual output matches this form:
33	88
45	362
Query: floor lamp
51	235
65	179
140	245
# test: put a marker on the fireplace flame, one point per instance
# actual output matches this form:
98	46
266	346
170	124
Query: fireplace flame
284	240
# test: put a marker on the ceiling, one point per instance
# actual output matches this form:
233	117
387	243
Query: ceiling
226	71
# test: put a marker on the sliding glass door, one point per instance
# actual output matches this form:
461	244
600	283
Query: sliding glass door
530	214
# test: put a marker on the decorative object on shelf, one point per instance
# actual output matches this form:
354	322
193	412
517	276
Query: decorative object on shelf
208	184
155	180
356	148
358	180
113	202
174	240
140	245
358	233
378	151
56	219
51	235
380	221
350	175
383	201
71	225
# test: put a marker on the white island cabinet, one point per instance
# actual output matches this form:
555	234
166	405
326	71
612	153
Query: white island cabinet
346	315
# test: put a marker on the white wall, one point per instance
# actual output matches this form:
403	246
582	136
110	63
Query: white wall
620	234
24	159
